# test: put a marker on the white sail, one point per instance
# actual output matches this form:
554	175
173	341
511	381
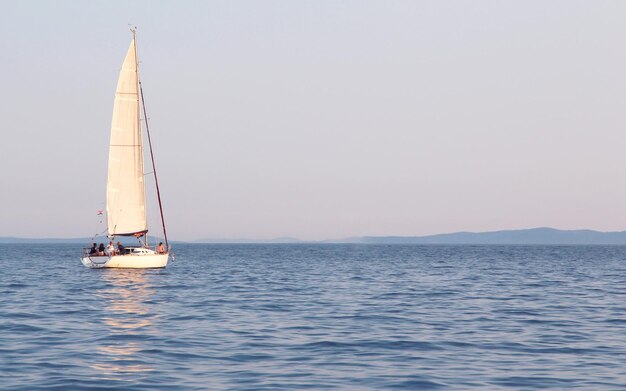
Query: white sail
126	196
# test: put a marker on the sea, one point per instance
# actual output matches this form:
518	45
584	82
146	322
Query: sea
316	316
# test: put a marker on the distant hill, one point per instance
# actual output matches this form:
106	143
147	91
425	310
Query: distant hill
284	240
81	241
43	240
522	236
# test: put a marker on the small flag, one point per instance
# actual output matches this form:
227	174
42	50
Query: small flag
100	212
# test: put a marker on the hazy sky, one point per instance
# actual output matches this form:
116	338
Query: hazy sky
321	119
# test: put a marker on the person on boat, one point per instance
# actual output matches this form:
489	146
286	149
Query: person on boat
120	248
101	249
111	249
94	250
161	248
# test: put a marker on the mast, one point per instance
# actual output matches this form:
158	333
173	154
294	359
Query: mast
154	171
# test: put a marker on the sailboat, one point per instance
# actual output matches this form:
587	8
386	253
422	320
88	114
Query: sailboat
126	190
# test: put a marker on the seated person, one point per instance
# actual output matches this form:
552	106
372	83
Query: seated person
93	250
120	248
161	248
111	249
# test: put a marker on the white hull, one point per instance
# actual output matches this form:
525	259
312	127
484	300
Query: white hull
127	261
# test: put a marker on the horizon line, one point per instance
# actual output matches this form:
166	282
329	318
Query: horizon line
290	239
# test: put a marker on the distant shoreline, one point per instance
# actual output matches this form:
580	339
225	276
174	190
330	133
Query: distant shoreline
532	236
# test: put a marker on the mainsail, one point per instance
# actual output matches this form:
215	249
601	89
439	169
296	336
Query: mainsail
126	195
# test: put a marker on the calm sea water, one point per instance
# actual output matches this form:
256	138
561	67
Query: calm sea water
318	317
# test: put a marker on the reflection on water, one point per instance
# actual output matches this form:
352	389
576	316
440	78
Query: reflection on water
129	320
118	361
291	317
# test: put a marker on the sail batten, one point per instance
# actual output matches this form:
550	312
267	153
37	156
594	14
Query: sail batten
126	199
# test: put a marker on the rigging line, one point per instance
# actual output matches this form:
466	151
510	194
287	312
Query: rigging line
96	235
156	180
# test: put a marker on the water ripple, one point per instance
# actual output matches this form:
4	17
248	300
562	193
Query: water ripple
250	317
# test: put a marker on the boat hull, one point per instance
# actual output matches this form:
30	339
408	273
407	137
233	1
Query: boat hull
128	261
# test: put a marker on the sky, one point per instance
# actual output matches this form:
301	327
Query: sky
321	119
